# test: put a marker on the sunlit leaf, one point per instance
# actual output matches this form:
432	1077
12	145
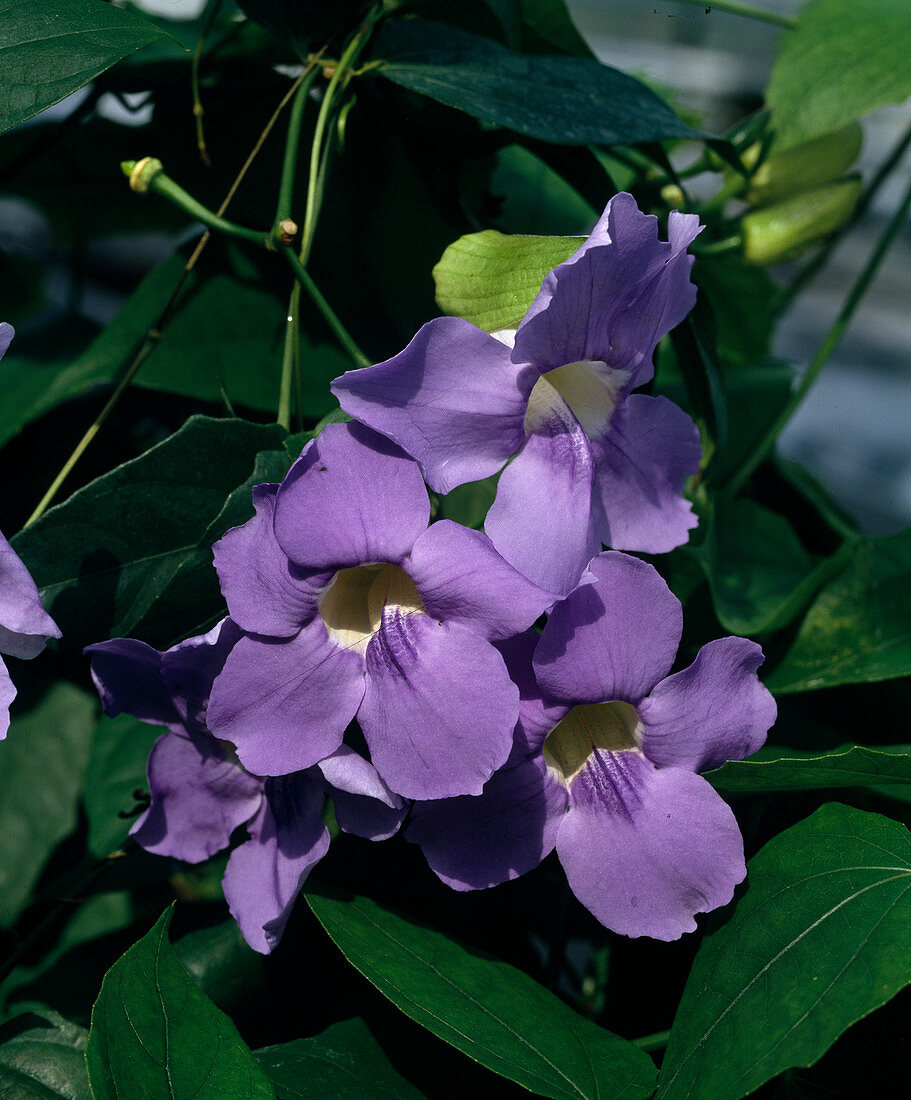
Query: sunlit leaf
780	769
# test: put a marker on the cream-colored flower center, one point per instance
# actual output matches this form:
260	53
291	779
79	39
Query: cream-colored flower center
590	388
352	606
589	726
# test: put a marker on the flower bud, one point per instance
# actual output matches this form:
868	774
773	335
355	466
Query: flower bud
141	172
805	166
785	229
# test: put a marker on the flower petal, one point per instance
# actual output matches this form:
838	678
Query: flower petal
351	498
713	711
611	640
540	520
264	591
453	400
641	463
265	875
199	797
462	579
439	708
475	842
7	695
646	849
285	704
537	715
189	668
7	332
364	804
127	674
615	297
24	624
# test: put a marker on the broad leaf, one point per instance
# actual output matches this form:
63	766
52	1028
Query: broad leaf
345	1062
566	100
103	558
43	1059
491	279
821	937
225	966
845	58
780	769
50	49
43	767
155	1033
858	629
485	1008
117	769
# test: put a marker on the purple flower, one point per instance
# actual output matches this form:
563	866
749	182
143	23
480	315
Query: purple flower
24	624
593	462
200	793
607	750
352	606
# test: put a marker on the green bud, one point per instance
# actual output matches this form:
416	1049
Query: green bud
805	166
785	229
141	172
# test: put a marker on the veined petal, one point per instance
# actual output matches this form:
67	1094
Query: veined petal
352	497
439	707
611	640
265	875
453	400
24	624
199	797
264	591
713	711
540	521
475	842
615	297
462	579
285	704
641	463
645	849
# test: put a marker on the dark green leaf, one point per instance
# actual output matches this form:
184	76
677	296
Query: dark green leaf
469	504
534	196
485	1008
44	764
345	1062
224	965
566	100
491	279
117	768
858	629
50	49
551	21
155	1033
307	24
737	304
779	769
43	1060
125	542
846	58
821	937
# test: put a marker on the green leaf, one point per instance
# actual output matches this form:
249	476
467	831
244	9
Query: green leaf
50	49
858	629
224	965
116	554
551	21
566	100
345	1062
43	1060
737	303
487	1009
845	58
155	1034
820	938
117	768
44	763
491	279
780	769
759	574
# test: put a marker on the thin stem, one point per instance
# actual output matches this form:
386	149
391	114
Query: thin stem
733	8
198	112
653	1042
289	353
306	280
826	348
292	145
165	186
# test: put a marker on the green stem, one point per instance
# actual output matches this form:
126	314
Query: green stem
198	112
825	350
653	1042
165	186
289	167
733	8
289	353
305	279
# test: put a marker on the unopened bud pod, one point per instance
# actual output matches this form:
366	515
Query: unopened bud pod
785	229
806	166
141	172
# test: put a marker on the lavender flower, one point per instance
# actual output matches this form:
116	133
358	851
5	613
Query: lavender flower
200	793
604	767
352	606
593	462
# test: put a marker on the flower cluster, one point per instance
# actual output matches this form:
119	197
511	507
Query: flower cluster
392	664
